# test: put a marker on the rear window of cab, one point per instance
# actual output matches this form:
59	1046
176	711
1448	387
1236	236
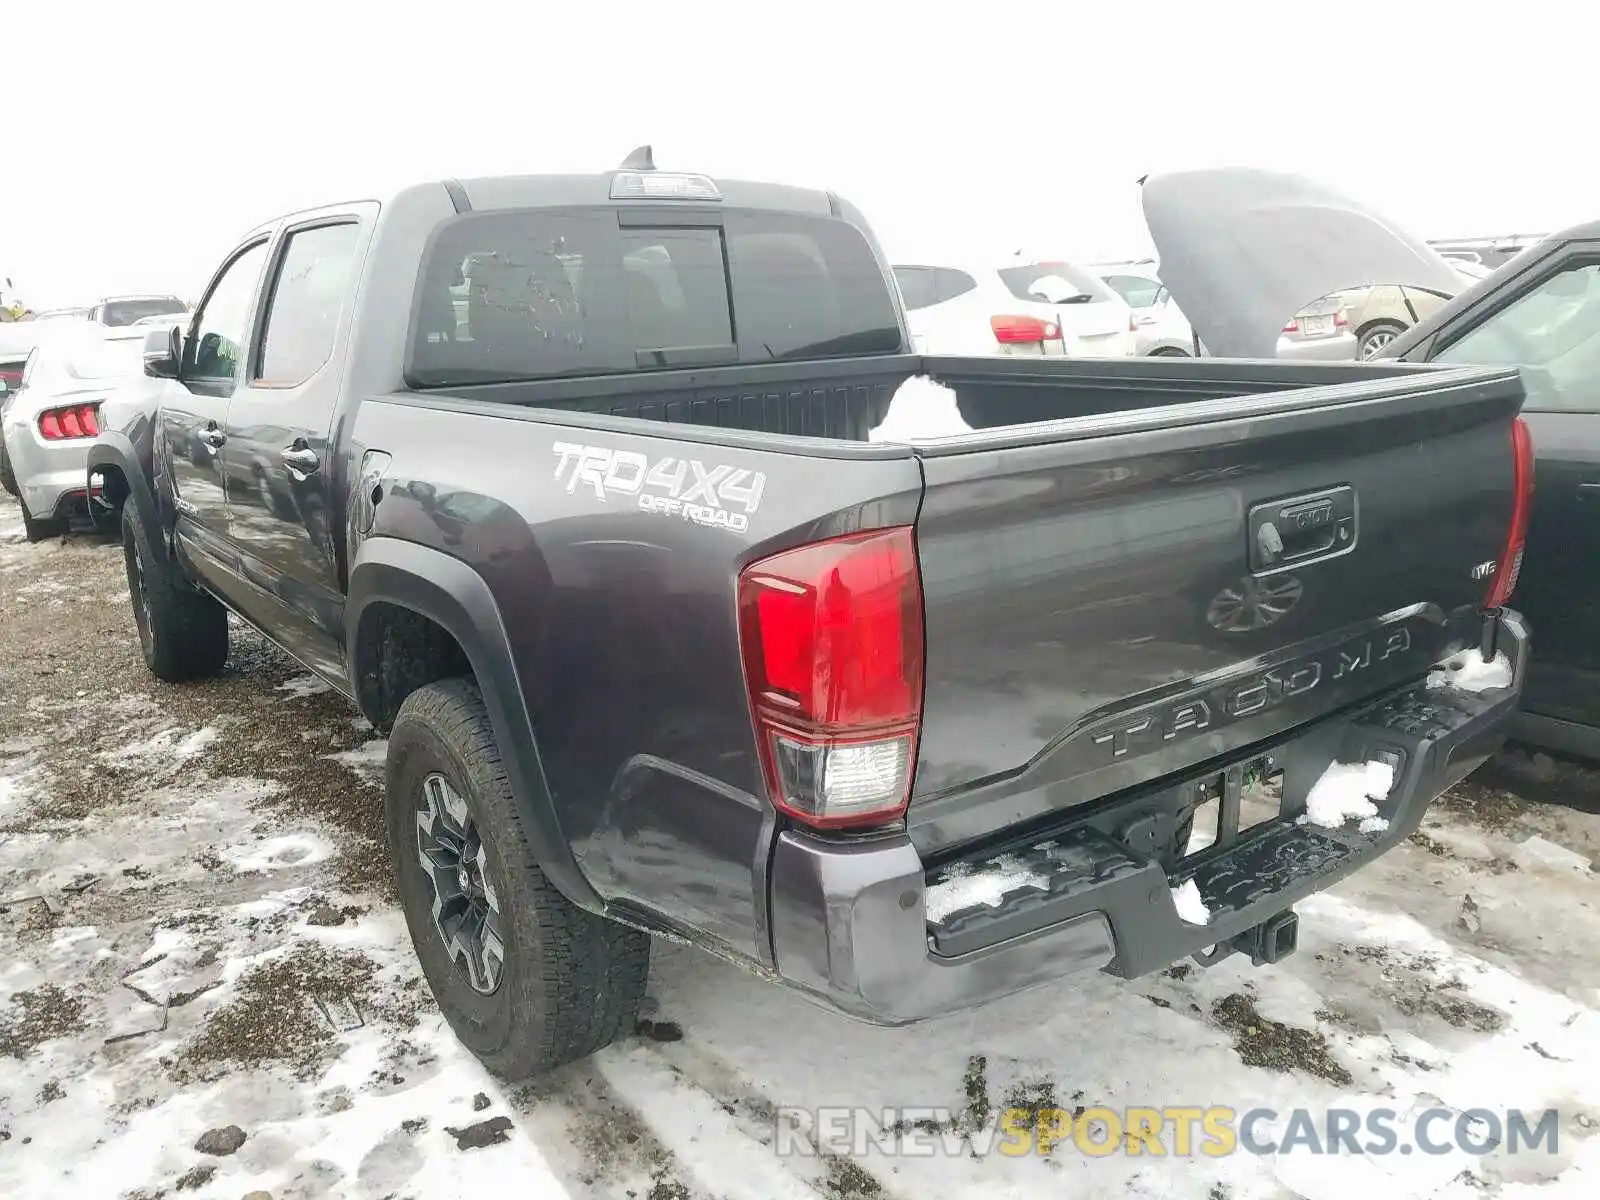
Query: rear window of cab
551	293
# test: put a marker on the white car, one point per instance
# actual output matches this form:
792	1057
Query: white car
52	421
1021	309
1161	328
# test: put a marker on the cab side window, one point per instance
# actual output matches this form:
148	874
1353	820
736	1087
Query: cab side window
221	330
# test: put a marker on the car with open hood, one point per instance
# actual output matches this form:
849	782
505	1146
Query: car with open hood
1240	247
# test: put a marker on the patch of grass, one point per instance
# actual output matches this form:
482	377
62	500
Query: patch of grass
37	1016
1261	1042
275	1016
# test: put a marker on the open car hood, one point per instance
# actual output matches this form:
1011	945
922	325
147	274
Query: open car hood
1243	250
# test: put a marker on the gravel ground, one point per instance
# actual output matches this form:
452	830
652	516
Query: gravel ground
205	988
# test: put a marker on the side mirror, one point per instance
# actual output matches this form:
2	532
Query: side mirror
1053	289
163	350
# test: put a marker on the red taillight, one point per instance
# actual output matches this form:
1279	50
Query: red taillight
1016	330
1340	321
831	635
1509	567
1291	326
76	421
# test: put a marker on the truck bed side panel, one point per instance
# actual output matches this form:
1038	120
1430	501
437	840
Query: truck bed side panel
622	621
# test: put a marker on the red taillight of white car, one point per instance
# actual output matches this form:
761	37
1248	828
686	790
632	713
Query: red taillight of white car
1504	581
1017	331
73	421
831	635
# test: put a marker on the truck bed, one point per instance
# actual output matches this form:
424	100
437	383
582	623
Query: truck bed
1069	565
844	400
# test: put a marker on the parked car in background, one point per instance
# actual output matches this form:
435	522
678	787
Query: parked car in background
1160	328
1318	332
125	310
171	320
50	423
1052	308
1539	312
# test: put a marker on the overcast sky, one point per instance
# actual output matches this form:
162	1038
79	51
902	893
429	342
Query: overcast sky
141	139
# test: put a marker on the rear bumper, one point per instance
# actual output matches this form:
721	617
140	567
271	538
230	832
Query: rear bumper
1340	348
850	926
50	475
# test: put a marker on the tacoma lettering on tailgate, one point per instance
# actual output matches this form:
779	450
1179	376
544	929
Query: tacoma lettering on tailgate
673	487
1392	651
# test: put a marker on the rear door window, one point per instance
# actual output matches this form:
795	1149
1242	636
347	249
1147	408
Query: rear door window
1020	281
524	295
307	298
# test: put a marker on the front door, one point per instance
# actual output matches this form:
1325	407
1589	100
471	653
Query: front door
1550	326
279	463
194	409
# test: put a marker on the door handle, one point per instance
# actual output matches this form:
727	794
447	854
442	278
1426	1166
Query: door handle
213	437
300	460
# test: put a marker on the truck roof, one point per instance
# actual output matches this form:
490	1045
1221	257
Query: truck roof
488	193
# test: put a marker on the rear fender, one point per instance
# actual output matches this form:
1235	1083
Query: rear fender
453	595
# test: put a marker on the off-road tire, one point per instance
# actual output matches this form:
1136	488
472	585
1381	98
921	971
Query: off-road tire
572	981
182	631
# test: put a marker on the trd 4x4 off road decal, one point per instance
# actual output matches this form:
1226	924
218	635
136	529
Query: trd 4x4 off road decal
719	495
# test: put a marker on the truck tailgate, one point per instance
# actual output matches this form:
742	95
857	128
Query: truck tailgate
1116	598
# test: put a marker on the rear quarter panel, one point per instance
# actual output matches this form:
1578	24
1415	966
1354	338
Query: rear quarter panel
622	621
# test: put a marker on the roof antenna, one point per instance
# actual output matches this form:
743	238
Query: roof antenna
642	159
1141	180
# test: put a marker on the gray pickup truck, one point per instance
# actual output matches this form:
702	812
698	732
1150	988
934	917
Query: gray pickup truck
568	483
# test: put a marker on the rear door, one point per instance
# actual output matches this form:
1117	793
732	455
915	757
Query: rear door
282	476
1548	323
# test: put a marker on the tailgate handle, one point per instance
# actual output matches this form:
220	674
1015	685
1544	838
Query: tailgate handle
1302	529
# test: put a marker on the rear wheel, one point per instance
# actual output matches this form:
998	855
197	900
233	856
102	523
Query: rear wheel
1376	336
527	980
182	631
1169	352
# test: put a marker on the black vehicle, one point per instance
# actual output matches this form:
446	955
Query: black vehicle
1540	311
587	515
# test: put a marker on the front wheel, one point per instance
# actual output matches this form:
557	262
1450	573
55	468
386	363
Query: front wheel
527	980
182	631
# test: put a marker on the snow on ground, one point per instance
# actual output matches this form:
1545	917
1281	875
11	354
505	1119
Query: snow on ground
197	933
